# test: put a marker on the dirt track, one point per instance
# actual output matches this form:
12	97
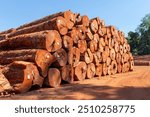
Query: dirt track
132	85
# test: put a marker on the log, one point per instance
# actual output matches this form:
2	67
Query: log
61	58
67	73
104	56
42	58
4	84
94	25
119	68
53	79
58	23
83	20
121	49
74	56
99	70
112	54
3	36
114	67
82	45
22	76
97	57
7	31
80	71
89	35
109	70
96	37
116	47
132	65
88	56
74	34
108	61
105	69
67	42
118	58
49	40
93	45
91	71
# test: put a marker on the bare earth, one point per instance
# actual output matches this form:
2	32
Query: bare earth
132	85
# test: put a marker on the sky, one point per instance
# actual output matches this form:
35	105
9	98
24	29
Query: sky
126	15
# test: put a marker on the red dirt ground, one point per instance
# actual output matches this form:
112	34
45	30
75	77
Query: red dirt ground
132	85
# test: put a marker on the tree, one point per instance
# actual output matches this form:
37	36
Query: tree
140	39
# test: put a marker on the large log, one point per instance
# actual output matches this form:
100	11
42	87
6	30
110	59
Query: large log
82	45
4	84
61	58
91	71
68	15
49	40
99	70
58	23
80	71
53	79
42	58
22	76
67	42
82	20
88	56
67	73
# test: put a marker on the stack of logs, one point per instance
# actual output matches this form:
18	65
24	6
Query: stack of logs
63	47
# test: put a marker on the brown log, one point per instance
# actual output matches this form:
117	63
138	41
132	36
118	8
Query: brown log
96	37
83	20
121	49
109	68
74	34
125	48
4	84
102	31
58	23
91	71
22	75
114	67
93	45
118	58
7	31
49	40
100	47
105	69
112	54
99	70
41	58
116	47
67	42
132	65
74	56
94	25
119	68
67	73
108	61
88	56
107	50
97	57
82	45
3	36
61	58
104	56
80	71
53	79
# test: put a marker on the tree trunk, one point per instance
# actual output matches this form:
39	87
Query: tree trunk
91	71
22	76
49	40
42	58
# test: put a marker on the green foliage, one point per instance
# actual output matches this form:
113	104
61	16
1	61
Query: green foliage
140	39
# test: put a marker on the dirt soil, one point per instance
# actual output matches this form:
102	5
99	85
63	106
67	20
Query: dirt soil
132	85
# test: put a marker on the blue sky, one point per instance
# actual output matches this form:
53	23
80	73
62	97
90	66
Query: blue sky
124	14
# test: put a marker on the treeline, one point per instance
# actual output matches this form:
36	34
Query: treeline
140	39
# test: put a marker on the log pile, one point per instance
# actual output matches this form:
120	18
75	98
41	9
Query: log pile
63	47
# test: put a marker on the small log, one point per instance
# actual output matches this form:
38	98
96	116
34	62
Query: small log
99	70
94	25
116	47
118	58
58	23
107	50
104	56
97	57
96	38
88	56
119	68
91	71
112	54
105	69
67	73
74	34
109	70
22	76
121	49
82	45
7	31
83	20
132	65
93	45
42	58
108	61
114	67
53	79
67	42
80	71
61	58
74	56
